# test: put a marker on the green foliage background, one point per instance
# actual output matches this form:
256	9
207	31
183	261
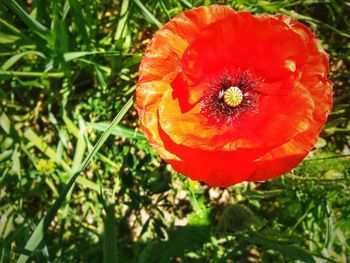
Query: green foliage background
67	68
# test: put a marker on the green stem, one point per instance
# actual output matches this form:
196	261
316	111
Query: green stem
317	179
32	74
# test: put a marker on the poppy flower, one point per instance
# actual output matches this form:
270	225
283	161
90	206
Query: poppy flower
226	96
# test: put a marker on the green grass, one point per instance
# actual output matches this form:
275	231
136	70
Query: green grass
79	182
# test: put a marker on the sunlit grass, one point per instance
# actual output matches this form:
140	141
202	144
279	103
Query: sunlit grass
68	68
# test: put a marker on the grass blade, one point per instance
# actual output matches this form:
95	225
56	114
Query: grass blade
61	38
118	131
77	54
110	254
12	60
33	24
186	3
14	30
120	33
80	149
106	134
32	74
68	56
8	39
40	230
40	144
148	14
71	126
79	20
10	27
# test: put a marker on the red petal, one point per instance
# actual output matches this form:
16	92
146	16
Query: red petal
163	53
276	122
262	44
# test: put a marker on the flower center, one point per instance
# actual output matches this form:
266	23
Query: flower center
233	96
230	97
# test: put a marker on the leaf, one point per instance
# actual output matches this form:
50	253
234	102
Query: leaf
200	218
238	218
181	240
161	184
5	123
321	143
41	229
5	154
16	163
291	251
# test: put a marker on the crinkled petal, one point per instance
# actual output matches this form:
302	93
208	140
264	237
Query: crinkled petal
216	168
161	63
266	45
279	118
148	96
161	60
314	77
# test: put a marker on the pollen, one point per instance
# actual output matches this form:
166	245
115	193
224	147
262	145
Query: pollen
233	96
290	64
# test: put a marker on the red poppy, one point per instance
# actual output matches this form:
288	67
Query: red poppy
226	97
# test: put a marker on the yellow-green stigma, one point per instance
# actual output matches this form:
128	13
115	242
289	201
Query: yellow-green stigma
233	96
